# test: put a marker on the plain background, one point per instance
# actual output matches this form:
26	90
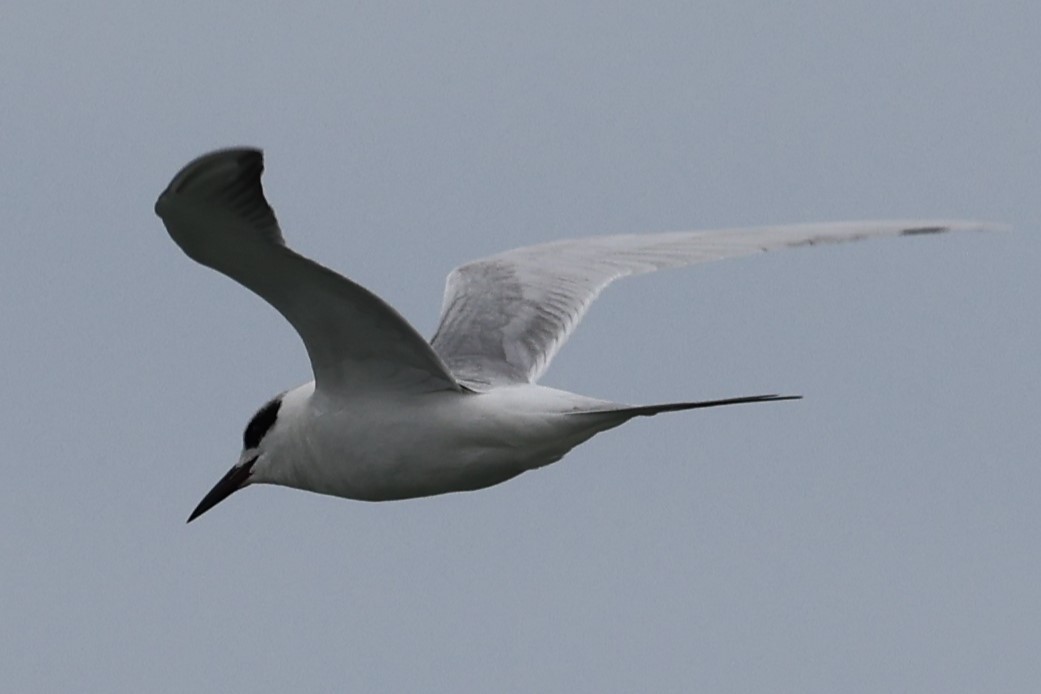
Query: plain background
881	535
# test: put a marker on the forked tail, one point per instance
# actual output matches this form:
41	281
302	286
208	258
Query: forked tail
651	410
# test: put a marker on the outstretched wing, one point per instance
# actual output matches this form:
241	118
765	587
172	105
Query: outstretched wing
216	212
505	316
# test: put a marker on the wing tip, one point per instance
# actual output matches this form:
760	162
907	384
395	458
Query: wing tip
917	231
248	160
940	227
226	179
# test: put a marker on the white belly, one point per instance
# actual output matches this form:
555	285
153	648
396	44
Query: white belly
433	444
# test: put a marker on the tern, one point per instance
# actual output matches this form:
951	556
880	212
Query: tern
392	416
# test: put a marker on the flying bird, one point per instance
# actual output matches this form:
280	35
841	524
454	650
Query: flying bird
392	416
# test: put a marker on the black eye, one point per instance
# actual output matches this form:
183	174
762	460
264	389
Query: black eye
262	421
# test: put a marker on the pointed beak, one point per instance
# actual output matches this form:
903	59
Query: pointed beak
236	479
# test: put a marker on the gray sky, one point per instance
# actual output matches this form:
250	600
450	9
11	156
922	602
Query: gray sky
880	535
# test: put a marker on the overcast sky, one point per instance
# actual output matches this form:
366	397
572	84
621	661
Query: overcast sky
880	535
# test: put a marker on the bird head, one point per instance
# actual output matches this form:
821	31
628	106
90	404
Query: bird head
253	453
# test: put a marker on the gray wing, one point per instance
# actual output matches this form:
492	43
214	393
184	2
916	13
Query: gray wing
216	212
505	316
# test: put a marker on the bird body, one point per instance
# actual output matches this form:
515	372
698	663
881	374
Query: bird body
437	442
392	416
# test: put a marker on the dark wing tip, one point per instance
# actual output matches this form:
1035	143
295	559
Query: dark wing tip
941	227
245	162
246	158
916	231
226	178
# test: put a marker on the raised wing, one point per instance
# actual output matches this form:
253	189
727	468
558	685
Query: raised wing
216	212
505	316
